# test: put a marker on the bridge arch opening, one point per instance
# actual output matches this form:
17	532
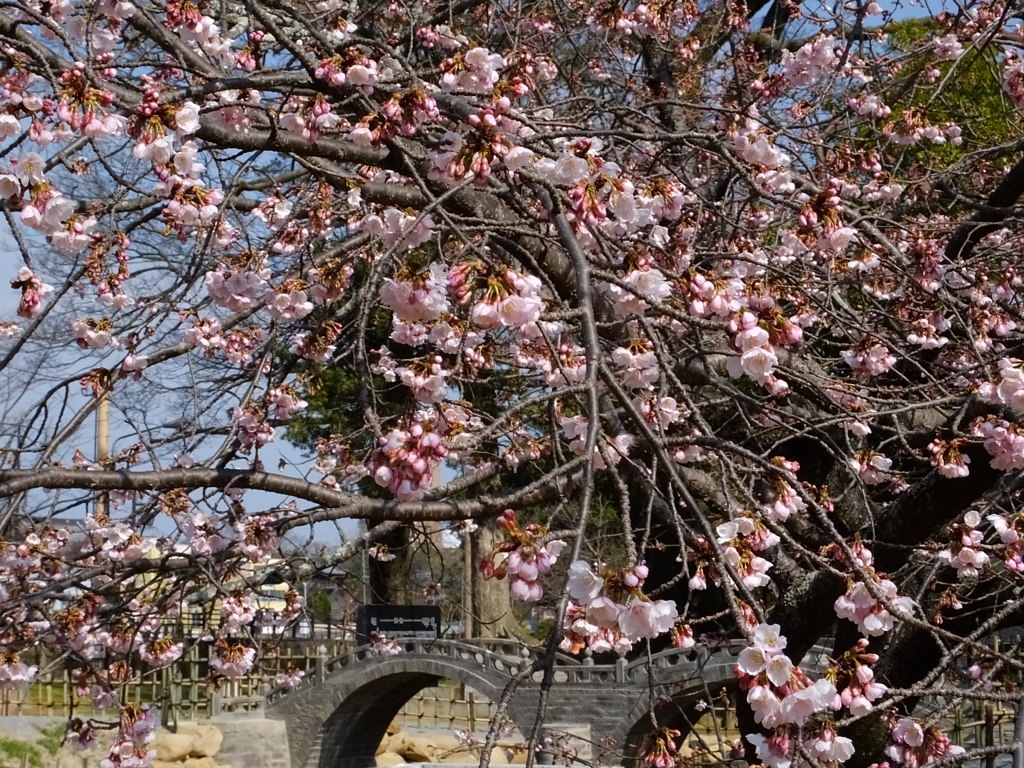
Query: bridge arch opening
703	726
351	734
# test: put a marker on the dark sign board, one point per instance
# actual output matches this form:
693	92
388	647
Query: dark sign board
394	621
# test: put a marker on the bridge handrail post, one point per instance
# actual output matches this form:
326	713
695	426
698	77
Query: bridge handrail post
586	674
320	665
620	670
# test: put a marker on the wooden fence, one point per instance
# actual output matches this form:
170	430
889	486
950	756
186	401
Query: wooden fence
183	692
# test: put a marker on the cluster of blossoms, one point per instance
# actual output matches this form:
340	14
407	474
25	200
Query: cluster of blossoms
290	677
610	611
739	540
872	467
117	541
1013	81
93	334
317	347
237	290
161	651
257	537
426	377
856	687
1009	390
15	675
203	534
752	141
785	499
1003	441
136	731
511	299
783	698
289	301
381	553
914	745
237	346
757	358
417	298
965	553
253	429
232	659
779	693
811	62
948	459
351	68
660	749
1010	535
911	127
237	610
33	292
476	70
381	645
522	557
398	229
638	365
869	359
871	614
406	461
639	286
607	452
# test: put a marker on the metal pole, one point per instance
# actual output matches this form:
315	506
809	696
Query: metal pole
467	585
364	530
102	447
1017	746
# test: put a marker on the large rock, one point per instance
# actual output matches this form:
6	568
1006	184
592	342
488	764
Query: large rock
206	739
388	760
419	749
189	762
398	742
172	747
447	748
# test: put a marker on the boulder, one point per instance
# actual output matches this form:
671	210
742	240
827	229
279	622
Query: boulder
388	759
446	747
206	739
172	747
419	749
398	742
516	756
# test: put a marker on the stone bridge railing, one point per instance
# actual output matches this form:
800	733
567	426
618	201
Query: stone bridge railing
509	657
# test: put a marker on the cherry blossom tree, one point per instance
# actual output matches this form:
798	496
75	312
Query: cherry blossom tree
748	273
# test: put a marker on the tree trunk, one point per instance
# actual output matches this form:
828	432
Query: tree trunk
491	601
389	581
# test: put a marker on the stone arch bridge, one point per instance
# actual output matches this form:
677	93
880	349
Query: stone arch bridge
337	717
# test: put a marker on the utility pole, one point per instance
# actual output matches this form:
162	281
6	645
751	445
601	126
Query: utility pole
102	447
467	585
